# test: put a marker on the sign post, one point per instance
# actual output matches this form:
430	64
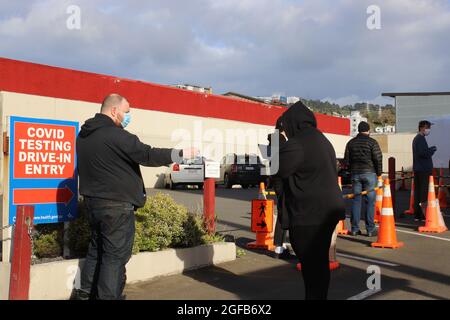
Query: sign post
212	171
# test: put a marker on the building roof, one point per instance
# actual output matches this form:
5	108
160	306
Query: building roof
396	94
242	96
42	80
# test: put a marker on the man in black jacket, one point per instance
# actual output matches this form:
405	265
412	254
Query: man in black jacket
111	182
423	169
365	159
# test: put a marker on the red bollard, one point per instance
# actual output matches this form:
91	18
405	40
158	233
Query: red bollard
392	178
21	258
209	203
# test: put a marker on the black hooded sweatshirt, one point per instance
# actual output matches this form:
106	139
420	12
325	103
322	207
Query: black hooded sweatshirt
109	158
308	168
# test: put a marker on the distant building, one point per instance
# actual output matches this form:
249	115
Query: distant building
355	119
292	100
195	88
412	107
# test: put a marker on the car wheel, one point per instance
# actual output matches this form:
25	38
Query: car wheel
244	186
200	186
172	185
227	182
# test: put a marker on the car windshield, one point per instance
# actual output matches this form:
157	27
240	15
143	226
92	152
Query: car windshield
196	161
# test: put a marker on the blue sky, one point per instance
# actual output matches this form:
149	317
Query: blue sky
319	49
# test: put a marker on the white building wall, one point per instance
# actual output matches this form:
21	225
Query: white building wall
152	127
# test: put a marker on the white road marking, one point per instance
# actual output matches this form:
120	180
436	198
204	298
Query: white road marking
365	294
423	235
367	260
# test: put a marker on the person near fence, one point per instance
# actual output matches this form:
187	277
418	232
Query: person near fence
365	160
423	168
311	199
112	186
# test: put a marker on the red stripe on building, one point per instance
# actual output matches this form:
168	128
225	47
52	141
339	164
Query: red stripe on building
42	80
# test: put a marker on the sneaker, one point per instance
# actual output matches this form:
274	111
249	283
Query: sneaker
355	233
372	234
78	294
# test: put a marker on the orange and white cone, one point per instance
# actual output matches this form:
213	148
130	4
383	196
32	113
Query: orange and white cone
341	229
410	211
442	195
440	216
387	237
379	200
432	216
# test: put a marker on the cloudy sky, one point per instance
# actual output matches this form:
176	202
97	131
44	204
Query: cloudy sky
320	49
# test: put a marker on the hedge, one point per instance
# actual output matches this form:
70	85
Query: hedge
160	224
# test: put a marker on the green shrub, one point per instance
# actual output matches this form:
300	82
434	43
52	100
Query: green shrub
48	245
160	224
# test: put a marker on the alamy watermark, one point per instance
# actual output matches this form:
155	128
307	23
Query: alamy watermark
374	19
73	22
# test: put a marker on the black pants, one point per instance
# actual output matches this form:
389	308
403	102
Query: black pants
311	245
280	234
421	181
112	226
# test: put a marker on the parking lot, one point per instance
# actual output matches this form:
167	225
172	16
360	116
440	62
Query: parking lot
419	270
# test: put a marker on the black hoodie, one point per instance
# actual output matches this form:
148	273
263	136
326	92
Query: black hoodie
109	158
308	168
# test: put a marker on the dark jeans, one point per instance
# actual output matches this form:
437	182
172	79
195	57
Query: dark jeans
311	245
363	182
112	226
279	235
421	181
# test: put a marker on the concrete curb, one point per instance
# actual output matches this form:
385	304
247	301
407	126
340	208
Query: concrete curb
55	281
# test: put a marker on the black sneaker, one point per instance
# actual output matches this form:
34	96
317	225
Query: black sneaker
355	233
78	294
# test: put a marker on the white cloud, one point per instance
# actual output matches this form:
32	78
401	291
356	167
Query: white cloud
309	48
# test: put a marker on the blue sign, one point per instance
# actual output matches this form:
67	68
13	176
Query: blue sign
42	169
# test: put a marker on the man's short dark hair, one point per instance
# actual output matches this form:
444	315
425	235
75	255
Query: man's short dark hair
424	124
110	101
363	127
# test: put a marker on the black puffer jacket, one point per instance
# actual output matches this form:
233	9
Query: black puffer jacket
363	155
311	194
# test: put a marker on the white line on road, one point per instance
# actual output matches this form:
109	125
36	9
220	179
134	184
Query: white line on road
365	294
367	260
422	235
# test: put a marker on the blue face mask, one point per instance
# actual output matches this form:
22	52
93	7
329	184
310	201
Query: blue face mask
126	120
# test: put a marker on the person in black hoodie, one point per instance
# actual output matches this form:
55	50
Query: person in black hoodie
111	183
280	234
312	200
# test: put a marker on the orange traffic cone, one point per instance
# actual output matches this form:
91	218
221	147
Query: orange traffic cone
432	216
262	191
410	211
442	195
387	237
440	216
379	200
341	229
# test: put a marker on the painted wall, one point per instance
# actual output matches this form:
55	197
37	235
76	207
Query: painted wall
156	128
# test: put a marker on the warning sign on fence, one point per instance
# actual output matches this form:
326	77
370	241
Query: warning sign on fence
43	168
